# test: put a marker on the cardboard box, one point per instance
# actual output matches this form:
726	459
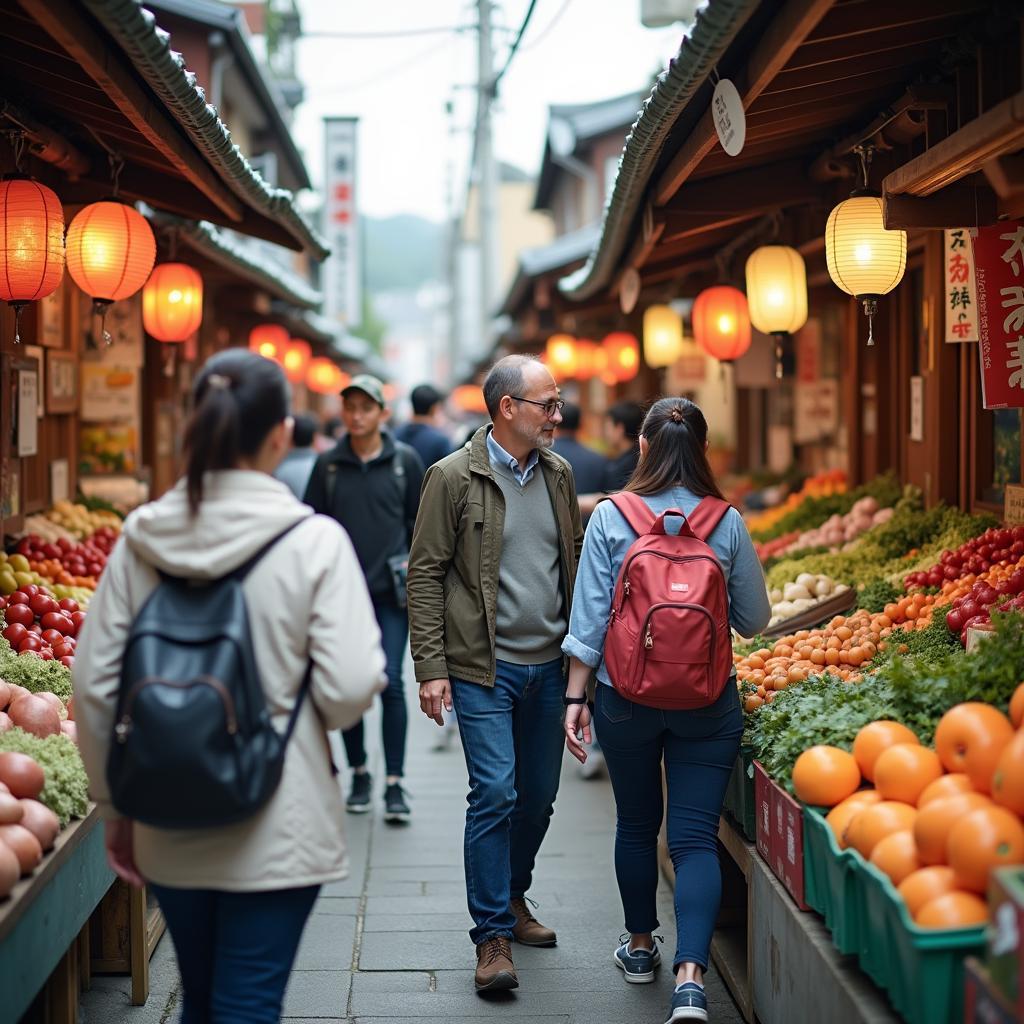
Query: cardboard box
983	1002
1005	959
763	812
780	833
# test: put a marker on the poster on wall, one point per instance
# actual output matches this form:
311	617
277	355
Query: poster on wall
815	411
808	352
28	419
109	393
341	272
999	272
917	408
960	291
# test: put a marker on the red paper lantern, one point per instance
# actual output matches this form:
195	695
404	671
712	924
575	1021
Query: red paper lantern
560	353
172	302
111	250
31	241
469	398
270	341
324	377
623	352
721	322
296	360
586	358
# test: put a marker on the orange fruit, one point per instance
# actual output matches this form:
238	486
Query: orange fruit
1008	779
842	814
896	855
969	739
875	822
875	738
824	776
1017	706
953	910
990	837
948	785
935	821
926	884
904	770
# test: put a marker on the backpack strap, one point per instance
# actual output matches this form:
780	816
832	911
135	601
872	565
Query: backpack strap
246	567
706	516
634	510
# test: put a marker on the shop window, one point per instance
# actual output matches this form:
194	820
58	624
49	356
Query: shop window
1005	454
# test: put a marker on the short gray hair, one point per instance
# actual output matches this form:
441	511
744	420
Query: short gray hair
505	378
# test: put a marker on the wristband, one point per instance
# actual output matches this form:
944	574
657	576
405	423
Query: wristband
567	700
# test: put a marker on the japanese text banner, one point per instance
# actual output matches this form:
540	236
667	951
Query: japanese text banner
959	291
999	272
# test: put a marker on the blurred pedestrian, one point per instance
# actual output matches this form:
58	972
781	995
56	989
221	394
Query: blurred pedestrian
695	748
490	584
422	431
588	466
370	483
622	432
236	897
297	465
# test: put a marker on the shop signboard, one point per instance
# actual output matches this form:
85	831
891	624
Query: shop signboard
808	352
917	408
815	411
1013	504
961	297
999	272
342	276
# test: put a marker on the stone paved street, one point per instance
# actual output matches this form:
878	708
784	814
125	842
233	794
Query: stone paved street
390	942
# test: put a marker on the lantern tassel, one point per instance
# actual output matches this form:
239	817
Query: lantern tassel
100	309
778	357
871	308
170	359
18	307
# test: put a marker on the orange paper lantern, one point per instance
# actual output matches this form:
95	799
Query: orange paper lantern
324	377
623	352
296	360
721	322
110	251
586	358
469	398
561	356
270	341
172	302
31	241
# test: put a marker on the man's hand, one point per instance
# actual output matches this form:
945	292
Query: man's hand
577	726
436	696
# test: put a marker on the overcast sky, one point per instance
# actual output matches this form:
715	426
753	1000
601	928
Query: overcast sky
573	52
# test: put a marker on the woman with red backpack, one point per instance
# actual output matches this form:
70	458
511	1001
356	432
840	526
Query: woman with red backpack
667	567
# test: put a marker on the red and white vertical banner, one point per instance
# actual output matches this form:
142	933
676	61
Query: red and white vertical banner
342	271
999	271
960	291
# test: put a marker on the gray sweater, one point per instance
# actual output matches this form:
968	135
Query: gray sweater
531	619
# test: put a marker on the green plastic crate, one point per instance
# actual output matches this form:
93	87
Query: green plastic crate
739	801
832	884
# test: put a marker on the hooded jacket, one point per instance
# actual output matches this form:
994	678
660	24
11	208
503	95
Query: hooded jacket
306	600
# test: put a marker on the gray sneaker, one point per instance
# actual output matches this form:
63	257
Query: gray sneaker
637	964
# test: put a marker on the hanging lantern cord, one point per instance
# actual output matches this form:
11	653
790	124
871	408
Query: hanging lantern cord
116	162
871	308
18	307
778	354
864	154
99	308
16	137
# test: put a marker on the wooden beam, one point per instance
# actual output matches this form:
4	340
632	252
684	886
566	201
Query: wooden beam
1006	175
992	134
65	22
780	41
651	230
953	207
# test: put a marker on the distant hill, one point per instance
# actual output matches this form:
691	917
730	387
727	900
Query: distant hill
404	251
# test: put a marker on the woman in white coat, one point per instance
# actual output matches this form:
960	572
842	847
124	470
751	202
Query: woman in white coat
236	898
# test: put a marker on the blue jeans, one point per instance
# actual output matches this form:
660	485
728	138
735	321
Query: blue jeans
235	950
698	749
394	634
512	737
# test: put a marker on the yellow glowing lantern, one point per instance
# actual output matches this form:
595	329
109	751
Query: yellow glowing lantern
296	360
721	322
663	336
777	289
324	377
560	353
623	354
270	341
864	258
172	302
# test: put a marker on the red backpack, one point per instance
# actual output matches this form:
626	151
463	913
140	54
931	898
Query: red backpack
668	644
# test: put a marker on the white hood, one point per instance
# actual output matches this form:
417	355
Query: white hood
241	511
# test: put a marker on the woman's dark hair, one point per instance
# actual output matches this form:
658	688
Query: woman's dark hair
237	399
676	434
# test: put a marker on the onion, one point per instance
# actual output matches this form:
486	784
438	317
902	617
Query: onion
21	774
70	729
5	722
24	845
40	821
10	870
11	811
55	702
35	715
17	691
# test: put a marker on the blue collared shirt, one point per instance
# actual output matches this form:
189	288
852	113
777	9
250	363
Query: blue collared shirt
500	457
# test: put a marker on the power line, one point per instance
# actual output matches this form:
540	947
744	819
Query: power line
538	39
515	45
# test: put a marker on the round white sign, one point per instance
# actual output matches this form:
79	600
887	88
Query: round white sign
730	120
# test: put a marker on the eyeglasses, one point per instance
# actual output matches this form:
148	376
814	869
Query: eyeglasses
549	407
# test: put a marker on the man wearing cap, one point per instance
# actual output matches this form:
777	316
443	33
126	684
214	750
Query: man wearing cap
421	432
370	483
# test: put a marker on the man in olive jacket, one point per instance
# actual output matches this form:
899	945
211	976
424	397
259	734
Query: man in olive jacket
491	574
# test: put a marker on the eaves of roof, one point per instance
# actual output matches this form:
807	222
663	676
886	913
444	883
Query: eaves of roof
231	21
557	255
715	29
147	46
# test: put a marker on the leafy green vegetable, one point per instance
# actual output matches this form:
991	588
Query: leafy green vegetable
875	596
33	673
66	791
755	643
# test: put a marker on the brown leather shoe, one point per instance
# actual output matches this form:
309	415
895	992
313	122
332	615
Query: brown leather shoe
495	971
528	930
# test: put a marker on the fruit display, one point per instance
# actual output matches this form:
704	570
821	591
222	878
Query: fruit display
838	529
824	485
802	595
976	556
35	622
46	769
81	522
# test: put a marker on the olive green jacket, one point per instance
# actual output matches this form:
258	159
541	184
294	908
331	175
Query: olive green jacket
456	558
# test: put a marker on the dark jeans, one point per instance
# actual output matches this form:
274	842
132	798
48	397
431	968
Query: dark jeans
698	749
235	950
394	633
512	737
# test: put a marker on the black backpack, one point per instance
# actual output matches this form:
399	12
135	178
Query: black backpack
193	744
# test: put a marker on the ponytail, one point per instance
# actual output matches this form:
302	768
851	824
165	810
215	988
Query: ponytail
238	398
677	434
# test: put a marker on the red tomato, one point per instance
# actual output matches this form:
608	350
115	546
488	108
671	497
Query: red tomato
30	643
46	653
63	649
42	603
58	621
14	634
68	605
20	613
52	636
77	618
18	597
68	662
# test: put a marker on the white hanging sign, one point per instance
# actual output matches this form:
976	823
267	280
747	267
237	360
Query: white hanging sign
960	291
730	120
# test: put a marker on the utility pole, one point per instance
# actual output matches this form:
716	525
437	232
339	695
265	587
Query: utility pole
487	175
